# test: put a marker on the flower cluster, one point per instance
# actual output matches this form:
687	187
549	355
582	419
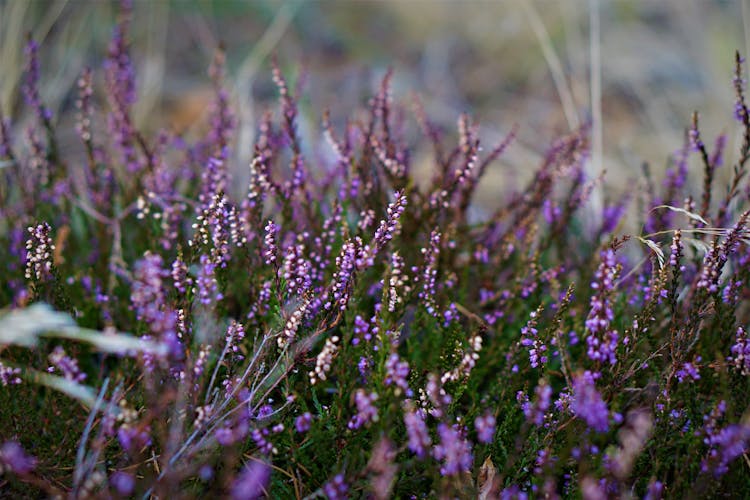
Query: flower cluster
324	360
293	323
453	450
206	287
9	375
396	372
39	251
587	404
740	356
537	411
485	426
601	339
66	365
429	273
530	339
15	459
397	282
416	429
366	410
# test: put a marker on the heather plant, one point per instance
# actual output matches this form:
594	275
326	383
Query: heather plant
342	330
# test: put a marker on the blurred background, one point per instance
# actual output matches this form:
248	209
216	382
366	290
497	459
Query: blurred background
638	69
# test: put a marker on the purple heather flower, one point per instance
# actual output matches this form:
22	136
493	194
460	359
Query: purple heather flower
694	136
725	446
296	269
675	254
303	422
485	426
218	228
513	493
591	489
68	366
740	350
9	375
207	289
224	436
450	315
717	257
529	338
119	68
180	276
133	438
601	339
366	410
148	294
396	372
346	264
655	491
361	330
149	299
523	400
252	481
261	306
612	216
336	488
587	404
717	158
31	86
416	430
269	243
119	79
731	292
551	211
14	458
234	337
382	468
429	273
536	412
123	483
689	370
206	473
453	450
260	438
390	225
677	174
363	366
264	411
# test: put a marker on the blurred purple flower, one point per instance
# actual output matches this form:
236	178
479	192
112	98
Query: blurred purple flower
454	451
336	488
587	404
252	481
123	482
485	426
13	456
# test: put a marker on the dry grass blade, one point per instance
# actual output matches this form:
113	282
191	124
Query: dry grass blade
655	248
691	215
